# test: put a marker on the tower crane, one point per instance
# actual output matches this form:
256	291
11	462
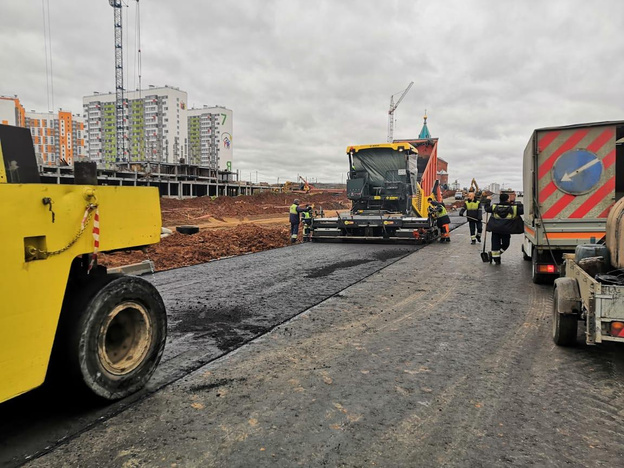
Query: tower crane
120	117
393	107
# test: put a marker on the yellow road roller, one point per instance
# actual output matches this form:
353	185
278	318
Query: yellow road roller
61	313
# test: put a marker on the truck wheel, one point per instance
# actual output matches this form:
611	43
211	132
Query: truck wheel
118	337
564	326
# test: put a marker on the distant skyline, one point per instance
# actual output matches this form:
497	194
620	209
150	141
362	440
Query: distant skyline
307	79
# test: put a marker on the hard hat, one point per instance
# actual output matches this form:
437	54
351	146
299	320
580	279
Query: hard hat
296	202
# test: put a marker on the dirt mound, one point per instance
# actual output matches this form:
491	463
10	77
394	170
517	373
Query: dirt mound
197	210
180	250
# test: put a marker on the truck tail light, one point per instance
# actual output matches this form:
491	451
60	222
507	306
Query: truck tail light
617	329
547	268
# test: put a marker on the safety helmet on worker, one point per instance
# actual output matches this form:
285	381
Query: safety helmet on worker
296	201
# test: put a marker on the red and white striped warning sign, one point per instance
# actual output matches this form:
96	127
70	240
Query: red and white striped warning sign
595	203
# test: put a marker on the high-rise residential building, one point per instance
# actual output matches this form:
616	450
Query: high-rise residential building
210	132
494	187
156	120
12	111
58	138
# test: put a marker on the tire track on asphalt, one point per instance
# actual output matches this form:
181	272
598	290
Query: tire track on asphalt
493	372
581	397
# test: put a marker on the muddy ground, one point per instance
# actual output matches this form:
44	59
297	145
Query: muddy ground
437	359
228	226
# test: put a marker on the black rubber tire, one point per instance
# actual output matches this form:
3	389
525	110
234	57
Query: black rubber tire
93	330
564	326
187	229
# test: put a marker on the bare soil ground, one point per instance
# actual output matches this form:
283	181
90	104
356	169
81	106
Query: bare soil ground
228	226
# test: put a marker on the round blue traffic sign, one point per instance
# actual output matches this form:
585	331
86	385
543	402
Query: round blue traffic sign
577	171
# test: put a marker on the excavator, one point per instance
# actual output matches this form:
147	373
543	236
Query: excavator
63	315
301	186
479	194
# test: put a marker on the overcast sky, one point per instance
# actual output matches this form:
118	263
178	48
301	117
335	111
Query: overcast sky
307	78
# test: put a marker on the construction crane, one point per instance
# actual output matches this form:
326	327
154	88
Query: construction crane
119	85
393	107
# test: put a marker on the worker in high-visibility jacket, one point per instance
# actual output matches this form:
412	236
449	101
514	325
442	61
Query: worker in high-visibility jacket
295	209
504	222
474	213
438	212
306	217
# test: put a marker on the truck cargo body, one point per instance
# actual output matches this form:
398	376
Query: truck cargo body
572	176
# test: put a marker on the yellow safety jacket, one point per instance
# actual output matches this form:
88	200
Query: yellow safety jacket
497	211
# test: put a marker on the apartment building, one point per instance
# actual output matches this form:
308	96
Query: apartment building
210	137
58	138
11	111
155	130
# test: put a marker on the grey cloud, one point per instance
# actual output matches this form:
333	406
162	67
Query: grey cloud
306	79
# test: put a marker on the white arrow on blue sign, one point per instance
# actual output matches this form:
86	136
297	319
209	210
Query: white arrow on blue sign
577	171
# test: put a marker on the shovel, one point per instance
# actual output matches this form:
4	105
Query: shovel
485	256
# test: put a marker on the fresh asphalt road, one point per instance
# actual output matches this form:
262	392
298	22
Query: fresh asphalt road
438	359
213	309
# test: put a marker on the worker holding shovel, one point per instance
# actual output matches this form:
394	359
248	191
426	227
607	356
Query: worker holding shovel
474	213
505	220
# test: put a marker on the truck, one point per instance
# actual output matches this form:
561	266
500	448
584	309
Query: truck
63	316
590	290
388	185
572	175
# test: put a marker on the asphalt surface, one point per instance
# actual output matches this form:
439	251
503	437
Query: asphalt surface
212	309
437	359
430	359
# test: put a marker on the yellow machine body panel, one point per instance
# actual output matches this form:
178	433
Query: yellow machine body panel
32	283
419	202
394	146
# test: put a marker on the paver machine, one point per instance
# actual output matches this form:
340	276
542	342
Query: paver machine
388	185
61	313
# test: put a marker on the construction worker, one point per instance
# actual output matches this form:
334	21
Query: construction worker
306	216
472	209
295	209
438	212
504	222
